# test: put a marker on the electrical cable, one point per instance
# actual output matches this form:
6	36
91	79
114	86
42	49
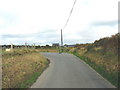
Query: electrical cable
69	15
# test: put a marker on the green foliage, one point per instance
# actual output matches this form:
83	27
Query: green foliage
66	50
33	78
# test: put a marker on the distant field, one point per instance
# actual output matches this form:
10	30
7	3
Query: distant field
48	50
21	68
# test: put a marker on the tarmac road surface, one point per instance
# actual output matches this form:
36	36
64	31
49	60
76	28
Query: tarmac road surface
68	71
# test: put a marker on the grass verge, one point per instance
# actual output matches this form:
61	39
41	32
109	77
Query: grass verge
21	69
34	77
110	76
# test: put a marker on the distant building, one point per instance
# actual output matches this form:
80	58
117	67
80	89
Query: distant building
69	45
55	44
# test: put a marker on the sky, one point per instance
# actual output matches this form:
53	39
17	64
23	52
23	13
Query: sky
40	21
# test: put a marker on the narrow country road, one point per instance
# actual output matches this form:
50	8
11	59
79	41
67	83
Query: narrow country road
68	71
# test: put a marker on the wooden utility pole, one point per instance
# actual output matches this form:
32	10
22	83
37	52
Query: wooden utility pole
61	38
61	49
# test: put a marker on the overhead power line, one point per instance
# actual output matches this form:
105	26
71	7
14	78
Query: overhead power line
69	14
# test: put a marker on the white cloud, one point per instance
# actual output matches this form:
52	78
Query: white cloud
2	22
34	16
104	31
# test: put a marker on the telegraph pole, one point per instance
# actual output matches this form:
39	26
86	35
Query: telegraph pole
61	49
61	38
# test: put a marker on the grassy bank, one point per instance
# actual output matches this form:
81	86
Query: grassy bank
101	69
102	55
34	77
104	65
21	68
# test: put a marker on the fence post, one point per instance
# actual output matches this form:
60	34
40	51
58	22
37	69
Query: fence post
11	46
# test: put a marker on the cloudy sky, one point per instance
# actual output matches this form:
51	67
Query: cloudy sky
40	21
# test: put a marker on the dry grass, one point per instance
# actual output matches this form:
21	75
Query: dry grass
19	68
72	49
111	63
109	60
97	48
102	55
47	50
